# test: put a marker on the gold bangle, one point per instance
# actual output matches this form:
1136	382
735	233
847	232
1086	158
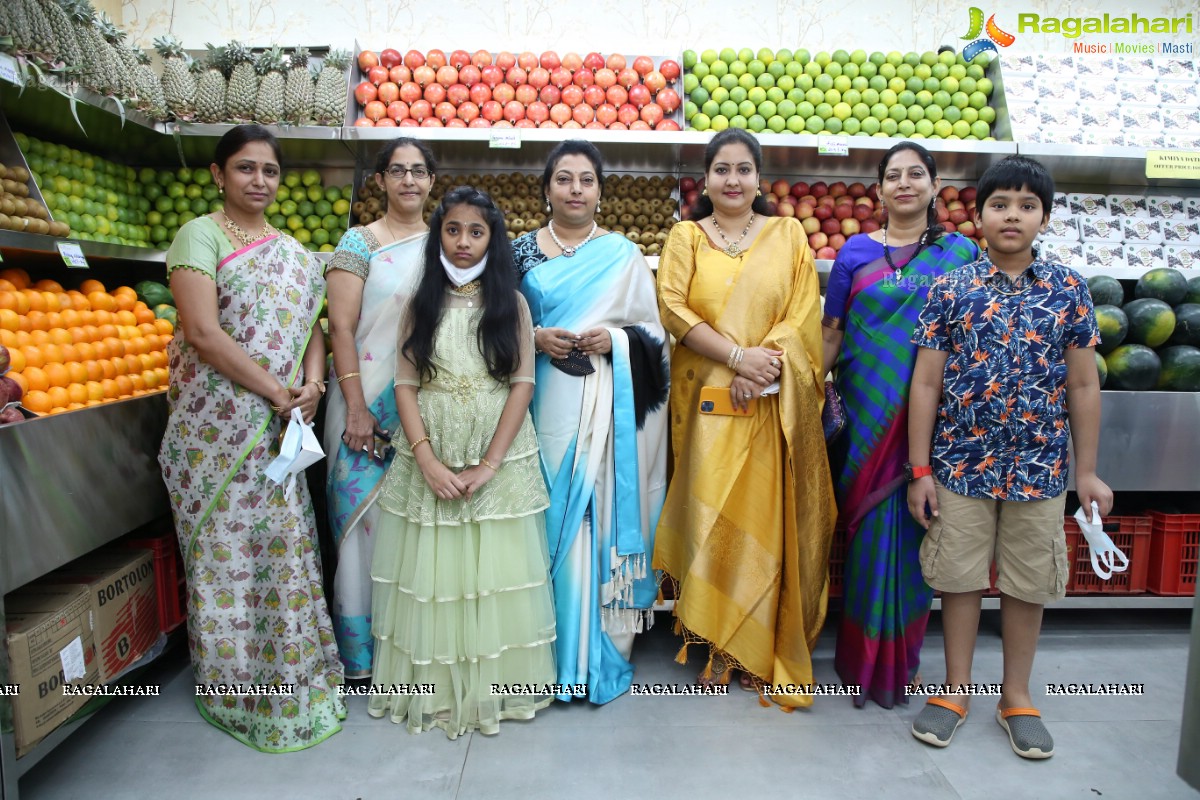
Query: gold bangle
277	409
347	376
488	464
320	384
412	448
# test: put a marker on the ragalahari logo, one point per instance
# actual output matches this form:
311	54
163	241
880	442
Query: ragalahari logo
994	37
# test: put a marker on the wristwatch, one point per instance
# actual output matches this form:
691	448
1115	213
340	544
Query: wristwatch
320	384
911	473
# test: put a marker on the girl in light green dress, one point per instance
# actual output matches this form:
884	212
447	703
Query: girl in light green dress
462	608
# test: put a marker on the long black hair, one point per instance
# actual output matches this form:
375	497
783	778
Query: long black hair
933	229
384	157
499	335
704	205
238	137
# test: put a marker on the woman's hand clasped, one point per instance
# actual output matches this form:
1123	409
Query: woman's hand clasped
306	398
361	430
742	391
554	342
445	484
595	342
760	365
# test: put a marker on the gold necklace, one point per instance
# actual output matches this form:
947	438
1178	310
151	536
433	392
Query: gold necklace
245	238
467	290
387	223
731	248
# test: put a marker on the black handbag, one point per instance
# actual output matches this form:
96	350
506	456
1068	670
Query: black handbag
833	416
576	363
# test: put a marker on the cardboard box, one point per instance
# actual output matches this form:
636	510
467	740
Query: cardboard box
1084	203
1096	90
1100	229
1181	231
1065	252
1059	206
1019	88
120	583
1103	254
1182	141
50	643
1063	134
1128	205
1023	118
1144	256
1182	256
1165	206
1142	230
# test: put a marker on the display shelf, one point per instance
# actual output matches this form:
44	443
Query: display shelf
1108	165
38	243
309	145
1146	602
1147	441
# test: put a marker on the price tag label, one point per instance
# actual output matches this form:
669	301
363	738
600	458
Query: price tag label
833	146
505	138
8	68
72	255
1173	164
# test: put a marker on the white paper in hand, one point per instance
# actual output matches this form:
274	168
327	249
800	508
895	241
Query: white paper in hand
298	450
1106	557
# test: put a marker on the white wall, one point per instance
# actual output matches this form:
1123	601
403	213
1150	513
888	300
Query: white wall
657	27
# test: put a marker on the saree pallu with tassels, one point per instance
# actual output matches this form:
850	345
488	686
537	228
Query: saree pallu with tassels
746	528
256	608
603	453
886	598
355	478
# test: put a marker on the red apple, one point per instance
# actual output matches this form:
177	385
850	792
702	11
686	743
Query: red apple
10	390
435	93
367	59
549	60
639	95
837	189
504	93
948	193
670	70
967	194
843	211
652	114
583	113
822	212
764	186
868	226
967	228
560	113
958	216
525	94
836	241
687	184
424	75
615	62
817	240
538	111
573	61
850	227
857	190
862	212
414	59
785	210
799	189
780	188
468	112
949	227
825	254
527	61
583	77
831	225
819	189
811	225
480	93
772	207
593	96
668	99
873	192
572	96
491	111
549	95
420	110
805	211
505	60
481	58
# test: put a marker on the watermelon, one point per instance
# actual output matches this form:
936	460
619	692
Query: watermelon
1106	291
168	313
1102	368
1114	327
1164	284
1134	367
1187	325
1151	321
1180	369
1193	290
153	294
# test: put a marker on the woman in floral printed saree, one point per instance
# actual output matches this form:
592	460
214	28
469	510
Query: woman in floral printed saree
247	352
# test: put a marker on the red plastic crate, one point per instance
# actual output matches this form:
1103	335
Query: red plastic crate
1132	535
168	579
837	561
1174	547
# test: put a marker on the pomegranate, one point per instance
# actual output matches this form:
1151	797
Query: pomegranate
367	59
363	122
435	59
628	77
468	112
459	59
583	78
386	122
447	76
652	114
424	75
538	111
458	94
667	125
479	122
480	94
432	122
670	70
399	74
550	95
492	75
549	124
435	93
593	96
455	122
525	94
583	114
618	126
481	58
514	111
516	76
539	77
505	60
560	113
560	77
445	111
639	95
668	99
639	125
469	75
605	78
572	62
420	110
593	61
390	57
375	110
643	65
595	126
388	92
365	92
615	62
655	81
414	59
502	124
606	114
628	114
410	92
572	96
504	93
571	124
617	96
491	111
377	75
549	60
527	61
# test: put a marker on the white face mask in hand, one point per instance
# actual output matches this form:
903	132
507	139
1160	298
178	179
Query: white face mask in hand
1105	554
462	275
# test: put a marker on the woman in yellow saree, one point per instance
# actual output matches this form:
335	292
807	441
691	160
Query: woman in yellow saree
745	532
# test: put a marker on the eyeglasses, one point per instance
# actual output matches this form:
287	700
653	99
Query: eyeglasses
397	172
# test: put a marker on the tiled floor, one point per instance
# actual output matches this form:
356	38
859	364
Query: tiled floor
694	747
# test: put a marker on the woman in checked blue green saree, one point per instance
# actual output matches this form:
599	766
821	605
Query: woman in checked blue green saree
876	290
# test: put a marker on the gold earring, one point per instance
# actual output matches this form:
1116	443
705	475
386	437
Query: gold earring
704	191
758	193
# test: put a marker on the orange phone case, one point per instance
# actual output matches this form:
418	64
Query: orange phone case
716	400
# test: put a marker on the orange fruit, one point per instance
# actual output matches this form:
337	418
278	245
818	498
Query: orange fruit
52	353
10	320
9	338
37	301
158	359
107	370
135	379
22	301
51	299
69	353
120	365
53	320
38	381
95	392
116	347
77	371
126	317
16	359
65	302
77	393
21	380
133	363
144	315
147	329
86	351
87	318
59	398
109	387
8	299
47	285
164	326
93	333
17	277
101	301
126	332
137	345
147	361
124	386
57	374
69	317
8	286
92	370
163	375
92	285
100	349
37	401
102	317
33	356
150	378
79	300
24	339
125	302
39	338
124	290
60	336
25	324
106	331
75	406
37	320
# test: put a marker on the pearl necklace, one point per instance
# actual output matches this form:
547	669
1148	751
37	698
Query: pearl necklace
731	248
467	290
570	251
245	238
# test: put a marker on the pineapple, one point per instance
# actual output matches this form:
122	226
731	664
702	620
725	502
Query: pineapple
298	91
41	36
67	45
149	90
210	89
122	58
14	22
178	83
330	95
97	71
268	110
242	92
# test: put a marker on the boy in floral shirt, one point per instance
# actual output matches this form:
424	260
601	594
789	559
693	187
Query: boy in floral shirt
1005	373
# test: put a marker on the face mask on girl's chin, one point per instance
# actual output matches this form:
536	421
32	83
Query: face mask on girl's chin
462	275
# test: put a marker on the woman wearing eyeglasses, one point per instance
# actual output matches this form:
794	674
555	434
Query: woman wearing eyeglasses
370	277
